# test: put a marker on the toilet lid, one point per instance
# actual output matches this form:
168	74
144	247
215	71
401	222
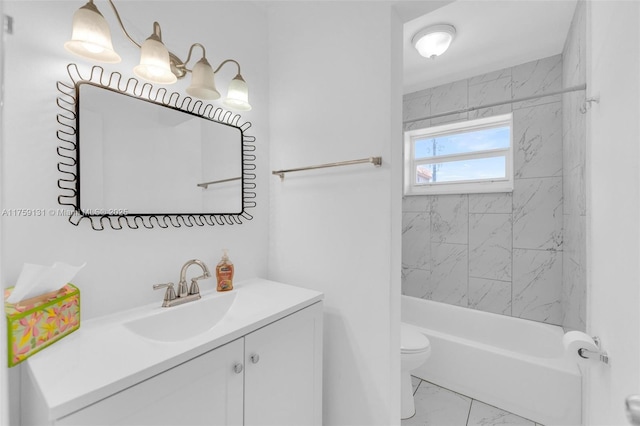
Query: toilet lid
411	340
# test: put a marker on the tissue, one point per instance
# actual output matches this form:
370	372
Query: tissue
35	280
573	341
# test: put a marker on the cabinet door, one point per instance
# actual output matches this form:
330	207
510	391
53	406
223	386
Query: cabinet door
283	371
203	391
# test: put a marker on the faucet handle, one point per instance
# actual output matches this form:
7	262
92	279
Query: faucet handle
194	288
169	295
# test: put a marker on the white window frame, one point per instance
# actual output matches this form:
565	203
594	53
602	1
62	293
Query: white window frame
458	187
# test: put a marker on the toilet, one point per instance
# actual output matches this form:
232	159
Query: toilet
414	351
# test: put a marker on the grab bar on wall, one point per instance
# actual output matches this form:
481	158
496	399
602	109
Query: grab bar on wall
376	161
205	185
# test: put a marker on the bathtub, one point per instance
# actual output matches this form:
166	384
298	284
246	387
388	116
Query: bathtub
511	363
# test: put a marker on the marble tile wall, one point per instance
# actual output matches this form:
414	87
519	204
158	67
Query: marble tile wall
502	252
574	187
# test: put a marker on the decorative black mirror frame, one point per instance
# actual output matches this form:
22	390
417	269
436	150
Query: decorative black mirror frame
68	151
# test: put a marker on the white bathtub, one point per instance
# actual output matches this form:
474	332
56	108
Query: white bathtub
511	363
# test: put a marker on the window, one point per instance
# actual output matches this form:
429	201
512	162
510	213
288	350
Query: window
458	158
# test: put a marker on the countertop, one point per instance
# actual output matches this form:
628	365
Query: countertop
104	357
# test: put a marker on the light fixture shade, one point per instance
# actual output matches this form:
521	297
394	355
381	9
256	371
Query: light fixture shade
434	41
154	62
203	85
238	94
90	37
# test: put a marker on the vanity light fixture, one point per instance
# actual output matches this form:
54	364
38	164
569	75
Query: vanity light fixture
154	64
202	82
433	41
238	95
91	39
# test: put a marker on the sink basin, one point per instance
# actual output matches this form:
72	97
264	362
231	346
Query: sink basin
183	321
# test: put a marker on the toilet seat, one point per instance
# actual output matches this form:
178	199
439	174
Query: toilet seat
412	340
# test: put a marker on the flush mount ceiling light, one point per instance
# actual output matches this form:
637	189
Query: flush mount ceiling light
434	41
91	39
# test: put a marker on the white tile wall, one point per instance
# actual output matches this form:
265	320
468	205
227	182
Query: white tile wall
416	244
537	78
574	187
416	204
537	294
488	91
501	252
490	203
490	245
449	277
450	97
449	219
490	295
537	140
574	260
537	213
491	76
416	282
417	105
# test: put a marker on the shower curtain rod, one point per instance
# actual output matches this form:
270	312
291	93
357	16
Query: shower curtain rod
526	98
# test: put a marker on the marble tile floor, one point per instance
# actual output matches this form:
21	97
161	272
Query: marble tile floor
437	406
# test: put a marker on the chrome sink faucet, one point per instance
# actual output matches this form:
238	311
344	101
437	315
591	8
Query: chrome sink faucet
185	294
194	289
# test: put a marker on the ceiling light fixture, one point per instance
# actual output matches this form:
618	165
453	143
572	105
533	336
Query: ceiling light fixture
434	41
91	39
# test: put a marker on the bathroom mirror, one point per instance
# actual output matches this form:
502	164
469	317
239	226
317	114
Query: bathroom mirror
138	157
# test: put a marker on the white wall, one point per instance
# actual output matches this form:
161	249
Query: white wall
335	77
4	384
613	206
574	244
121	265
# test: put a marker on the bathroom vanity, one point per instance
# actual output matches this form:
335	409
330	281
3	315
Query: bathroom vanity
251	356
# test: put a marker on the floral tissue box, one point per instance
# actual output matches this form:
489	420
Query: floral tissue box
34	324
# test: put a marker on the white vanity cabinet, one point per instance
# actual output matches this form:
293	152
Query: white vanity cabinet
270	374
203	391
283	371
